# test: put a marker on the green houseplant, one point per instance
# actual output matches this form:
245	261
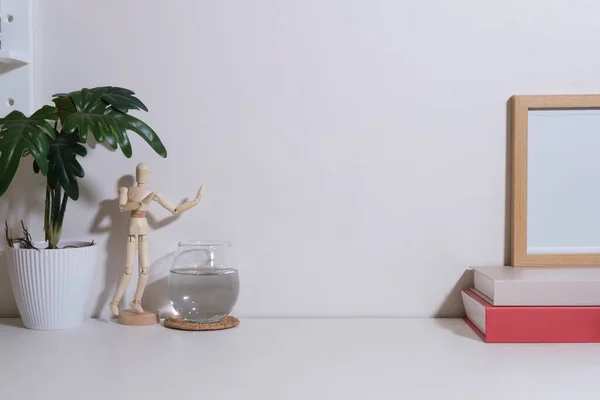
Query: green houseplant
55	137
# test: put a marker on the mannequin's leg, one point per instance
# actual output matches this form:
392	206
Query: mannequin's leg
144	265
126	278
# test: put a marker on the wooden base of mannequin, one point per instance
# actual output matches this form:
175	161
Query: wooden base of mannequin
129	317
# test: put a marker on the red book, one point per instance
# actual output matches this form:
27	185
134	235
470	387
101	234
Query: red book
515	324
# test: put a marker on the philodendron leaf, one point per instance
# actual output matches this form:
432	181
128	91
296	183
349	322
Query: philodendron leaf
130	123
122	99
46	113
63	167
65	108
91	115
20	134
94	120
103	112
87	99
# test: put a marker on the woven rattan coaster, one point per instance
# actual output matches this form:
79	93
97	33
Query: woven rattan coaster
179	323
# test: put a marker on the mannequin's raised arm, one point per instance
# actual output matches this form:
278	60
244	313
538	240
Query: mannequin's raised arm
165	203
189	204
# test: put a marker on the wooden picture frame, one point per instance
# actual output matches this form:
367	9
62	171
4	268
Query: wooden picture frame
520	107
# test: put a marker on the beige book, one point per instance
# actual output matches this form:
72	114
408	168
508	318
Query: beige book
539	286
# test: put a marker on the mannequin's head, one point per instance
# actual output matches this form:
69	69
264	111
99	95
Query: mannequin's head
141	173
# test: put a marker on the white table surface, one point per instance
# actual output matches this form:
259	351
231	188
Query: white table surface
288	359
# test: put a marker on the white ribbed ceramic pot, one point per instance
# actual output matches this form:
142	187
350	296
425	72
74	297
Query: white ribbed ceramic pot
52	287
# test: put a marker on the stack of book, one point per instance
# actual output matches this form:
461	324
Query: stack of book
535	304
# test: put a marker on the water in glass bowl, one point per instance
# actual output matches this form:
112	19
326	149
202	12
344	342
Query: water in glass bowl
203	294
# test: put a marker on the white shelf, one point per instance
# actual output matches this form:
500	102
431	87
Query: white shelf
16	42
13	57
289	359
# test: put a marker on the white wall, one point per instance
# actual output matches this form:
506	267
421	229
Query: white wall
354	151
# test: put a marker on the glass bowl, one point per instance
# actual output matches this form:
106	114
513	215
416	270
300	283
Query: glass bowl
203	281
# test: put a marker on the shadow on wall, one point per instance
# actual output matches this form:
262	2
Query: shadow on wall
8	307
452	306
156	296
111	221
4	68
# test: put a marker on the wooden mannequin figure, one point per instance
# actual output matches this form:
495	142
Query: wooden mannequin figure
137	200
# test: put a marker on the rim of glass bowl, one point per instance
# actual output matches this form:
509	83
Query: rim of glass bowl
204	243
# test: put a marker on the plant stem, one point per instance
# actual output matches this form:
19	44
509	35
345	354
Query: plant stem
55	205
63	208
54	215
47	213
55	219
